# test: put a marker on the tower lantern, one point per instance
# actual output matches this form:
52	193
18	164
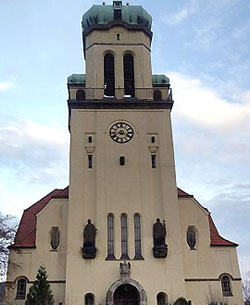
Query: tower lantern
117	48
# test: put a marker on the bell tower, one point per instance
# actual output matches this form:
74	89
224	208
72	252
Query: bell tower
122	172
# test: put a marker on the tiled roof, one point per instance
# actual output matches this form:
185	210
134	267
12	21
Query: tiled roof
182	194
215	238
26	234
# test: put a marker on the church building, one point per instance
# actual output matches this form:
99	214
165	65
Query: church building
122	232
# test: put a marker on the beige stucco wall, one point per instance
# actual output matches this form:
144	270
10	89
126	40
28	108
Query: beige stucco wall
154	274
27	261
206	262
133	188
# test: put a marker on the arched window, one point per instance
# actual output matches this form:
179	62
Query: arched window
137	229
157	95
226	286
109	75
89	299
80	95
128	71
55	238
191	237
162	298
110	224
21	289
124	236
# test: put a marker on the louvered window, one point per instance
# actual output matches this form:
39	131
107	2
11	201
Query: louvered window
109	75
128	70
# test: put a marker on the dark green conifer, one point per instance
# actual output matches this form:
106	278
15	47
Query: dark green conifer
181	301
40	292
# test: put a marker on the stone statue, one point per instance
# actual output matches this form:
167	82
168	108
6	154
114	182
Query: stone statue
89	249
159	235
125	270
89	235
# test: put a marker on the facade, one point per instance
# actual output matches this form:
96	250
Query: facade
122	232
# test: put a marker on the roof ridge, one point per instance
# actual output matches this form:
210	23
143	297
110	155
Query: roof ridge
49	194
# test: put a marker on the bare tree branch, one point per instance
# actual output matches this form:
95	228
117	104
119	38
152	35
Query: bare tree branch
8	228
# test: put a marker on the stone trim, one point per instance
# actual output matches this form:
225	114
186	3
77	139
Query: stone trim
121	260
117	44
235	245
161	85
120	104
209	280
129	27
32	282
115	285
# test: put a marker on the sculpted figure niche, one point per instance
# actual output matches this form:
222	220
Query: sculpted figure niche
160	249
125	270
89	249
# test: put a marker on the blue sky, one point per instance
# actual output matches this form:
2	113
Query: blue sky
203	46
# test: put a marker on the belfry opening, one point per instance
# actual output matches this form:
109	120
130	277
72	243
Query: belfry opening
109	75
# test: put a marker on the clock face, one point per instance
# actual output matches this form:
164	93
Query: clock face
121	132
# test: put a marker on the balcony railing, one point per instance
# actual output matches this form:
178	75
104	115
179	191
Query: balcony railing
156	94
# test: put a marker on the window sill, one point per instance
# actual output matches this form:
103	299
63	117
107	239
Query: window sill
122	259
227	294
125	257
110	257
138	257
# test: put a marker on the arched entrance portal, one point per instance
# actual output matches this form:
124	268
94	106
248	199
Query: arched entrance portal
126	294
126	291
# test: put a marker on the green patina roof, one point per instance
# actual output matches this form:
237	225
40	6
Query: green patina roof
80	79
104	14
77	79
160	79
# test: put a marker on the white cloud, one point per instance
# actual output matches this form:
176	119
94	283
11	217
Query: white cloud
231	211
20	132
180	15
4	86
33	161
212	150
203	106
